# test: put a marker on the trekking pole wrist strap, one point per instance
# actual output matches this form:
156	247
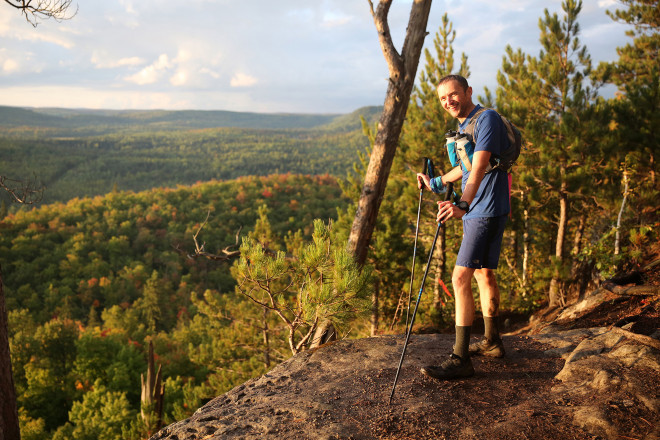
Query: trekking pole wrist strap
437	186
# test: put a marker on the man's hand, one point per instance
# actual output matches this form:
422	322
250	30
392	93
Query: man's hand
447	210
423	179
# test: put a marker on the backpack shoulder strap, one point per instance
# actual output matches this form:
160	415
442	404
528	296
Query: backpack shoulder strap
472	125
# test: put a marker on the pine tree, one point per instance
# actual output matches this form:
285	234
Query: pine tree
322	283
560	124
637	65
637	110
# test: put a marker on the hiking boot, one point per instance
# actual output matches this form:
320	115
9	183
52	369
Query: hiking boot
453	368
486	347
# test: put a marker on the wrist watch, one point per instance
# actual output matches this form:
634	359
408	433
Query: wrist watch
463	205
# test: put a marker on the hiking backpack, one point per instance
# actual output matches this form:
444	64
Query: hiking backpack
508	157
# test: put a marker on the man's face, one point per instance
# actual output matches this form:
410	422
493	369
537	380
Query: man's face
455	100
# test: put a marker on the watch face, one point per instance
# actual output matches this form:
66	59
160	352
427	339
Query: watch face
463	205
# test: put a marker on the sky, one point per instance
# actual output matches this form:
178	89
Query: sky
284	56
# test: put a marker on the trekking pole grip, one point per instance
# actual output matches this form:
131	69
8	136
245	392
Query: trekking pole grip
450	191
428	168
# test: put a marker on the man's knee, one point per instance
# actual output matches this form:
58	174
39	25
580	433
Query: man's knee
486	277
461	277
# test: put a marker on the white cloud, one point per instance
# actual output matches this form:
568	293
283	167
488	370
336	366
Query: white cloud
152	73
128	6
243	80
86	97
290	55
15	64
132	61
301	15
56	39
606	3
333	19
206	71
180	78
104	61
122	14
10	66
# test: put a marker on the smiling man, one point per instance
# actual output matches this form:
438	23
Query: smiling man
484	207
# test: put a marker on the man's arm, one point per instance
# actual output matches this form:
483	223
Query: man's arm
480	161
452	176
446	209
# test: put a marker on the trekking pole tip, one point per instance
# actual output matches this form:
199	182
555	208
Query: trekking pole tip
389	402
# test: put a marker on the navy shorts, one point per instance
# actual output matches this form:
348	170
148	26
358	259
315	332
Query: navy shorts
482	242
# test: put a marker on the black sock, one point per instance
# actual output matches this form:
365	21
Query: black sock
491	332
462	341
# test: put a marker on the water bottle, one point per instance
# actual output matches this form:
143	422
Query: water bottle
451	146
464	150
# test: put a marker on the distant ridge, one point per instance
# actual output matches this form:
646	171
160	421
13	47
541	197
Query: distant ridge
82	119
80	153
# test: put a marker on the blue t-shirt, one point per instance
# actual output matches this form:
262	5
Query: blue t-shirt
492	198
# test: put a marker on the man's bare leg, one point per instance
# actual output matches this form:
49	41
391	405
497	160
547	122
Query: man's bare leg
462	282
489	292
489	295
458	365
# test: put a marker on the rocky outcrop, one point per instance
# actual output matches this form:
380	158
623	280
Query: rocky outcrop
609	376
558	381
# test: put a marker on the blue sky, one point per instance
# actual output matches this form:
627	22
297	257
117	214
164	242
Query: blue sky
299	56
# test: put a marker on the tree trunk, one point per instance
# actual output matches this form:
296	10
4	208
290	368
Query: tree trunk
266	339
9	428
374	308
324	333
579	234
555	298
152	395
617	239
402	71
526	243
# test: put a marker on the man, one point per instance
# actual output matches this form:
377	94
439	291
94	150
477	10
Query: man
484	207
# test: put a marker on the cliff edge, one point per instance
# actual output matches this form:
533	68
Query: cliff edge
590	371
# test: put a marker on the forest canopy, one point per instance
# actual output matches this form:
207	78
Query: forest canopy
106	264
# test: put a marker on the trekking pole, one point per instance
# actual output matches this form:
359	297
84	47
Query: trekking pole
429	171
448	196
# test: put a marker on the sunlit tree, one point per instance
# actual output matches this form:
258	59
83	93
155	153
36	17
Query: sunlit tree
636	115
322	284
560	125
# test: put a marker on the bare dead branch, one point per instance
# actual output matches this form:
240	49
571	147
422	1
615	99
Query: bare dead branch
228	253
393	58
26	192
225	254
34	10
371	7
